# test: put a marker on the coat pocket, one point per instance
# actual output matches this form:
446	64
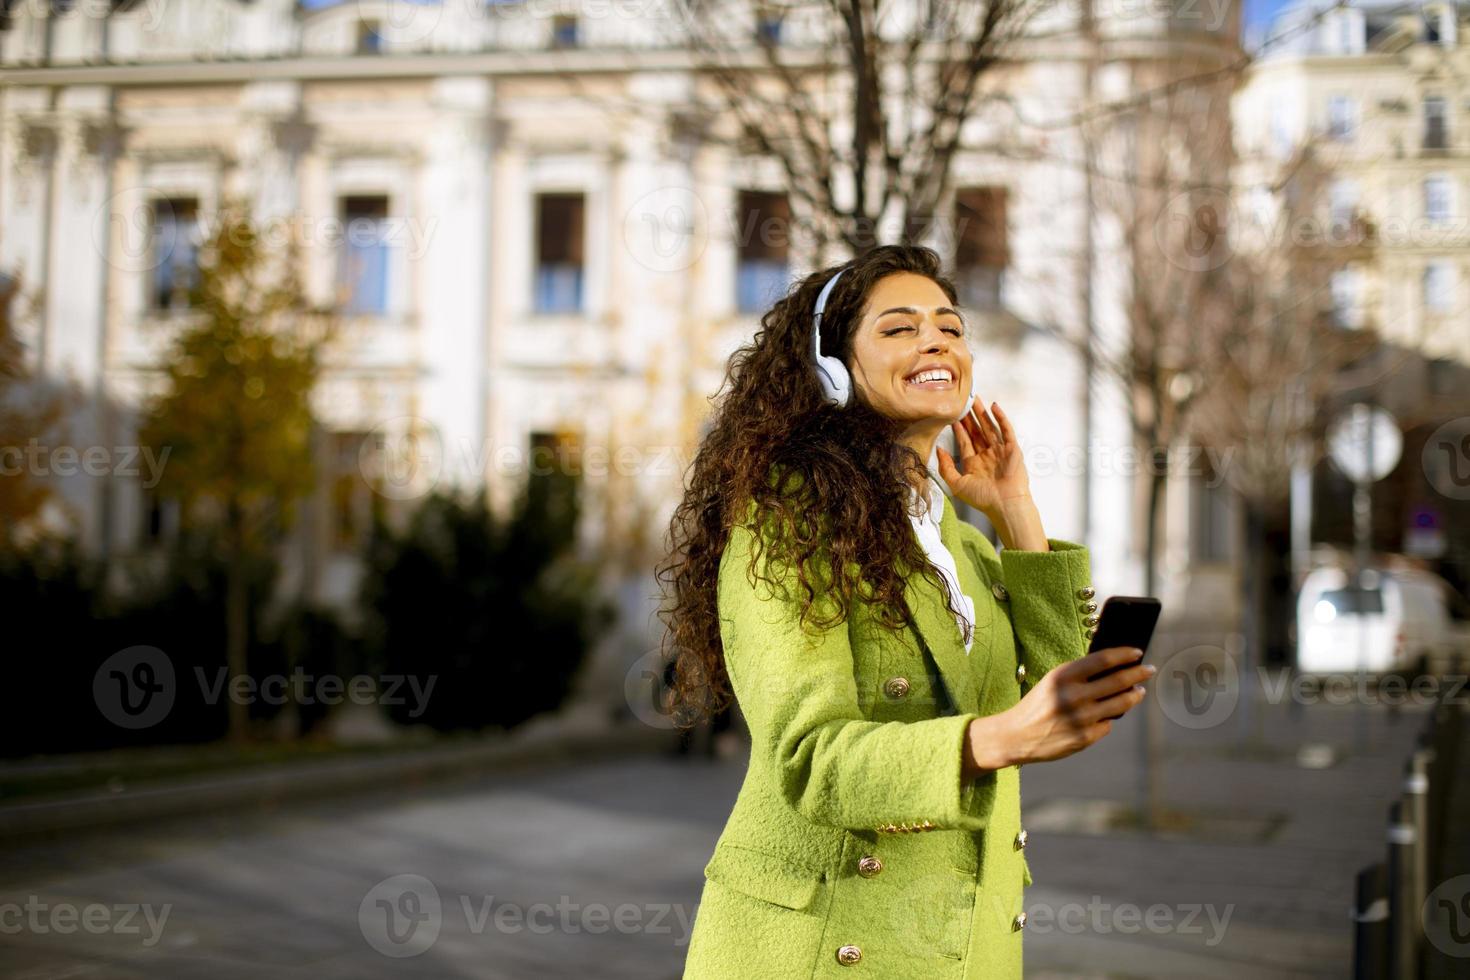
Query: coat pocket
768	877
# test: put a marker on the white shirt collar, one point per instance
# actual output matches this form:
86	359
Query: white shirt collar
936	502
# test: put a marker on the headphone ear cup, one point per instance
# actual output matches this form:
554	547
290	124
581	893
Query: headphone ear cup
974	388
836	382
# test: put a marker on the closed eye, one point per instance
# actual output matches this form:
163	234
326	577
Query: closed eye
902	327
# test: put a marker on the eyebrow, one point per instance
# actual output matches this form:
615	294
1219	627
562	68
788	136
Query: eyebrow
913	311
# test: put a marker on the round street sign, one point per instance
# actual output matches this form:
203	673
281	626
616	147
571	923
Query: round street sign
1349	438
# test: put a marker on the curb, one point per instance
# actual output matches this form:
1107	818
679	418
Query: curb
264	790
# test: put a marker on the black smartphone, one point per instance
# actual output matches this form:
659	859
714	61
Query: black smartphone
1126	621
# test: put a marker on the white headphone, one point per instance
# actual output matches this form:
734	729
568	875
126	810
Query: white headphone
832	373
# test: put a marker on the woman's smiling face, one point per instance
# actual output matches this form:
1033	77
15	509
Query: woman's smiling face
909	355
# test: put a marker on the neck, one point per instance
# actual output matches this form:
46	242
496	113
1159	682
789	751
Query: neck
920	437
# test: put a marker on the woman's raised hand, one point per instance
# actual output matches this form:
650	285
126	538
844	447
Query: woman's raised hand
990	469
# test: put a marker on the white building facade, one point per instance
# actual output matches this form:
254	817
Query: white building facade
540	271
1378	90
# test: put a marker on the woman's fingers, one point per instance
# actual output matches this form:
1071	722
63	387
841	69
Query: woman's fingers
975	430
1098	661
1105	687
1008	431
947	469
1118	704
983	423
992	429
962	442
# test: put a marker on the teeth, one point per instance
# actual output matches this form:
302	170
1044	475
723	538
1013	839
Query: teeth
930	376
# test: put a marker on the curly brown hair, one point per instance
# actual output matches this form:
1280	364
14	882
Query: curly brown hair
856	478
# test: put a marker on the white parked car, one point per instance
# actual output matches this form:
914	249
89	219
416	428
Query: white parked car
1398	621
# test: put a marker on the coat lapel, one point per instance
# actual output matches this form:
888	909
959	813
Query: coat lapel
963	673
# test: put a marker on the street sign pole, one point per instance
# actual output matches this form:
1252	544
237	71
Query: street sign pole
1365	444
1362	549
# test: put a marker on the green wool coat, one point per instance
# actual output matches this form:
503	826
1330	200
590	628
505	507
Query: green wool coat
854	848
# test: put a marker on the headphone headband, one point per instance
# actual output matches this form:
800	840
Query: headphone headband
826	291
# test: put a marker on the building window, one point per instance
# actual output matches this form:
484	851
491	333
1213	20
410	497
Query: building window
175	251
553	485
1437	198
1346	288
1436	132
768	28
560	220
564	31
1439	286
1443	373
9	286
982	245
763	253
1342	205
369	40
354	506
1431	25
1350	30
1342	117
362	271
1282	138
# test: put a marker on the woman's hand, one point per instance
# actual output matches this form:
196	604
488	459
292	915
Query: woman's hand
1062	714
990	468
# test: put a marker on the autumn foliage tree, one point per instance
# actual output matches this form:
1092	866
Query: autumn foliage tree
26	413
234	412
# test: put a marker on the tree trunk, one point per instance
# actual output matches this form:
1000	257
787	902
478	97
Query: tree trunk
1252	532
1149	763
237	608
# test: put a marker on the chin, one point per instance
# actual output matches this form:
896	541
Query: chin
936	402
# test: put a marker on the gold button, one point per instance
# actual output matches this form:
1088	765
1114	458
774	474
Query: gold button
1089	607
1085	593
868	866
1091	620
1021	839
896	688
1020	673
999	591
848	955
1091	632
1019	922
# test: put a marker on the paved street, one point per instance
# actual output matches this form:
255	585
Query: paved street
613	850
593	871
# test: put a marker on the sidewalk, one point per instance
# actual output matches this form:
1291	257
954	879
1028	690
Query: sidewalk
266	786
1255	874
1455	862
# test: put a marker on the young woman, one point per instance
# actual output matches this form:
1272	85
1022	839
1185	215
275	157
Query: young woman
895	671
